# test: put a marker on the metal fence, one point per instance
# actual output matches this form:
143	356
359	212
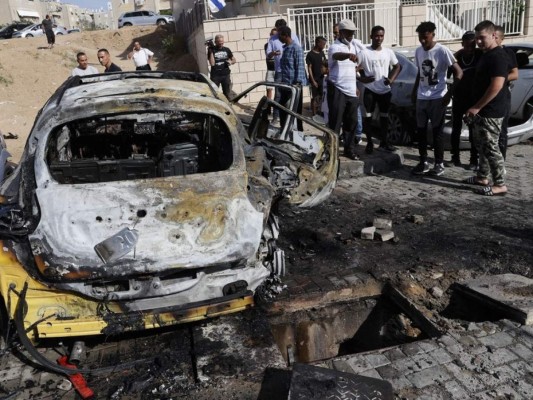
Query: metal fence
308	23
192	18
453	17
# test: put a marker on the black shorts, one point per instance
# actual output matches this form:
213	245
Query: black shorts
370	99
317	91
145	67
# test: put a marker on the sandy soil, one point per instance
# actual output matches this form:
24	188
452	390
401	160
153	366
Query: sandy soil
30	73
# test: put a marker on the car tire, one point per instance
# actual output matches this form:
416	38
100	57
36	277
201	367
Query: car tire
29	35
161	22
127	24
58	33
397	134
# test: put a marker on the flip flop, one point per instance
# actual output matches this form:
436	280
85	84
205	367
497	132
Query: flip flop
487	191
473	181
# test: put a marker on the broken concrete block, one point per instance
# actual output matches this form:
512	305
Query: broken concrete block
384	234
382	223
437	292
417	219
368	233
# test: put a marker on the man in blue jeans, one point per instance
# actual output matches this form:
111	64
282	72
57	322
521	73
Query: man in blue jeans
275	50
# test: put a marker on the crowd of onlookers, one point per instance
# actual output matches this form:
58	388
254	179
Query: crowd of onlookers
482	70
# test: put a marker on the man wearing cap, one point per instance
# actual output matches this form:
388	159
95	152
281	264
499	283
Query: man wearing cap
467	58
274	51
341	87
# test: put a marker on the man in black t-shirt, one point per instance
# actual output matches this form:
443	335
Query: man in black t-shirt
105	59
316	61
48	28
488	111
467	58
220	58
513	76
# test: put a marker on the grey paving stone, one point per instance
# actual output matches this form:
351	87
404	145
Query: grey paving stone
503	392
394	354
498	357
411	349
428	345
522	351
500	339
456	390
451	344
11	372
522	366
506	373
400	383
424	361
524	388
405	365
432	393
342	366
358	364
377	360
467	378
429	376
388	372
371	373
441	356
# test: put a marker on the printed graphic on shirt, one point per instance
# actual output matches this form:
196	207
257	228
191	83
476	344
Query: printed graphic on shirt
429	72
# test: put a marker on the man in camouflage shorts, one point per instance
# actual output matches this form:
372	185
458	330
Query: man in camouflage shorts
487	113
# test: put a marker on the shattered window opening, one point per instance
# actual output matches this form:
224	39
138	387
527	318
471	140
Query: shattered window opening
138	146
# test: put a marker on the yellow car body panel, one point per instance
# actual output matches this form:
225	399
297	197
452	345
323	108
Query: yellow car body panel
54	313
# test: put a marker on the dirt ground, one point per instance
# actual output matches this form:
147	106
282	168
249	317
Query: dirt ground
30	72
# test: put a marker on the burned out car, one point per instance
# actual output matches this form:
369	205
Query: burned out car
142	200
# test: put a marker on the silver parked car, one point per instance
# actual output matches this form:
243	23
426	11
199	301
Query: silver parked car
143	18
36	30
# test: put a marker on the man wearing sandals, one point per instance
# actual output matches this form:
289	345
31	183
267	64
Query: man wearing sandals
489	110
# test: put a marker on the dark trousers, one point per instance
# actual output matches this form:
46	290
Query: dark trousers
430	110
145	67
284	101
342	113
223	80
502	140
277	94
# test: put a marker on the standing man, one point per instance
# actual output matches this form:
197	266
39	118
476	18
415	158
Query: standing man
271	68
431	95
141	57
48	28
105	60
292	71
83	67
316	61
488	111
342	88
467	58
275	50
220	58
513	76
381	68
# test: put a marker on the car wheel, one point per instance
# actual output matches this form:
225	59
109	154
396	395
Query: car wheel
58	33
161	22
29	35
127	24
397	133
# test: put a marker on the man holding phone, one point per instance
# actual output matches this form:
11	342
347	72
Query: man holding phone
380	68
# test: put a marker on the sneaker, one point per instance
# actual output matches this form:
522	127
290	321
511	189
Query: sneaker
387	147
369	149
357	140
421	168
351	156
437	170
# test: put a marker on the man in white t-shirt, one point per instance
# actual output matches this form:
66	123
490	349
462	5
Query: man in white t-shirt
380	68
431	94
141	57
83	67
341	87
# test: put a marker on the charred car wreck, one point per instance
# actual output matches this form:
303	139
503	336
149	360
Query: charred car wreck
142	200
